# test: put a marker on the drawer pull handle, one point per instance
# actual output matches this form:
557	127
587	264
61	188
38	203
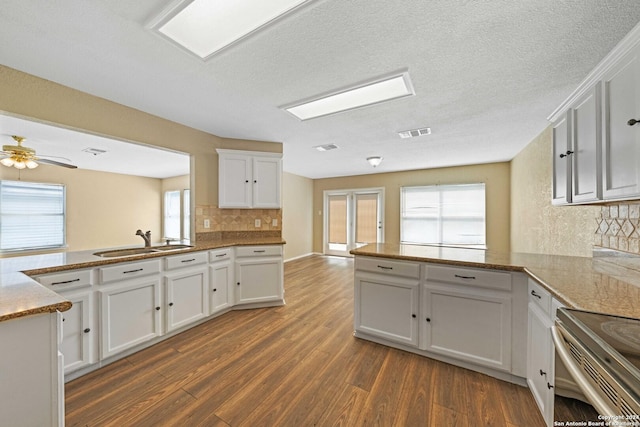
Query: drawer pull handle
535	294
66	281
259	252
567	154
221	255
465	277
633	122
133	271
188	260
385	268
543	373
549	386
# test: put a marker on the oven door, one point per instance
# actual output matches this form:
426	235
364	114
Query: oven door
584	391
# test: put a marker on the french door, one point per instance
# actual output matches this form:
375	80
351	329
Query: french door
352	218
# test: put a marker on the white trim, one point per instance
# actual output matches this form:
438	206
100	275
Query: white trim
630	41
249	153
308	254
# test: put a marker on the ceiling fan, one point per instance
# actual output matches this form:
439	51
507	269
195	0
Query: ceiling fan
21	157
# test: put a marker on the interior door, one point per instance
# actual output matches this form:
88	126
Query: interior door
353	218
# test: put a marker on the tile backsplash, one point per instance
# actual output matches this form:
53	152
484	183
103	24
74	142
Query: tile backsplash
618	226
221	220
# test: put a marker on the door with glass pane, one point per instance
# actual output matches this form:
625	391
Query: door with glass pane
353	219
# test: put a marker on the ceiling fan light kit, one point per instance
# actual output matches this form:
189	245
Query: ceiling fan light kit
21	157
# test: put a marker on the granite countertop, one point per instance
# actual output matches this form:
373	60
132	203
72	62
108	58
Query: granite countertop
20	295
607	284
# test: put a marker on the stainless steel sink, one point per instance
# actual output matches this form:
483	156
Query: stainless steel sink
140	251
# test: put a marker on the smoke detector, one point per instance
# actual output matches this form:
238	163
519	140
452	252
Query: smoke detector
414	132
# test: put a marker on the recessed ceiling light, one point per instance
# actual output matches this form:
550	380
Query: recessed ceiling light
205	27
326	147
414	132
371	92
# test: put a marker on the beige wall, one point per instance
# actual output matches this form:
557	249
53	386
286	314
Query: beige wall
175	183
297	215
494	175
536	225
103	209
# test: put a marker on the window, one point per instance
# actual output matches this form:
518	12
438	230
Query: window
443	215
32	215
177	214
172	215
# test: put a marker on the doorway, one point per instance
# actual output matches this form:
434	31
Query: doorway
352	218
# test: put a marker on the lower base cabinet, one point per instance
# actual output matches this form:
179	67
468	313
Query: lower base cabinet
186	297
130	315
468	324
259	274
387	308
78	331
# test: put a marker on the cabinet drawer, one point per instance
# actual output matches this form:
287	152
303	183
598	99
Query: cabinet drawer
540	296
386	266
244	251
67	280
129	271
467	276
220	255
185	260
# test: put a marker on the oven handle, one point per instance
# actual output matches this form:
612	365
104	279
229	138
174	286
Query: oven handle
589	391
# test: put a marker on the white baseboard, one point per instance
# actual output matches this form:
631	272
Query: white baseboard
302	256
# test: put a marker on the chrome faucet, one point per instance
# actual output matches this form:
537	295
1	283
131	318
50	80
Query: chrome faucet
146	236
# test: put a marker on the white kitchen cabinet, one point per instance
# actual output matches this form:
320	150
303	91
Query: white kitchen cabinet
249	179
585	157
467	323
540	349
130	314
31	372
387	307
186	299
78	328
259	274
561	181
221	280
621	140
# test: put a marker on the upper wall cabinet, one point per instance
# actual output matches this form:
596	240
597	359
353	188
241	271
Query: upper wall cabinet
249	179
596	141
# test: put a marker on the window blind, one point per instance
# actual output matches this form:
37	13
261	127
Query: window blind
32	215
443	214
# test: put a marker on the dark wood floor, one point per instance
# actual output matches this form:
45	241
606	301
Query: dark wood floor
296	365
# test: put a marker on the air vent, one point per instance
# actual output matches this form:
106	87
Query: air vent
94	151
326	147
414	133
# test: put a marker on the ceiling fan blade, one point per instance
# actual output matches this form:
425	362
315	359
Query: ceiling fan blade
53	162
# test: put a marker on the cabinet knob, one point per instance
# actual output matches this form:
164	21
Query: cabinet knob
215	290
413	315
246	181
549	386
157	308
567	154
428	319
255	181
87	330
170	304
633	122
543	373
238	283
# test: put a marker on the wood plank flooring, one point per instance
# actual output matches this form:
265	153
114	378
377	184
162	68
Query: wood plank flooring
296	365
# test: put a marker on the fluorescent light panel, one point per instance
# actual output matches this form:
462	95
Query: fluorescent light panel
205	27
373	92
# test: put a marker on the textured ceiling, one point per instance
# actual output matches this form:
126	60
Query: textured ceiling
486	73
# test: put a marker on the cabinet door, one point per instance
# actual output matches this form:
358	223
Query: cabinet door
586	162
539	361
234	181
469	325
621	142
266	182
77	331
258	280
387	307
130	314
186	297
221	288
561	193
